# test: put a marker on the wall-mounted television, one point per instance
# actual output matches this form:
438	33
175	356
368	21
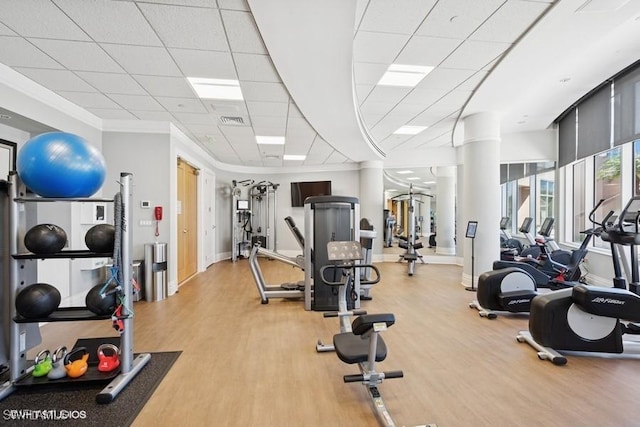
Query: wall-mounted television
302	190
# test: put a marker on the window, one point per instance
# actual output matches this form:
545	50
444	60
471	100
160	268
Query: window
508	201
636	168
524	199
545	190
579	181
608	184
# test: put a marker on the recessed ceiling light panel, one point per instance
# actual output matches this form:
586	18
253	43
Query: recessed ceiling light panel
404	75
270	140
294	157
216	88
403	172
409	130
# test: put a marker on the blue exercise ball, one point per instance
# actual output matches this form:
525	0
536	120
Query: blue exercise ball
61	165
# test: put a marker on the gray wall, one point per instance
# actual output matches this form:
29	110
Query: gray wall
343	183
146	156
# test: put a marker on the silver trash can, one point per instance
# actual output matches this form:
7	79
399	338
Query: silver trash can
155	271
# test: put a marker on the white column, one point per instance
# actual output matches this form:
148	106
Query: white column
481	191
372	199
445	210
426	213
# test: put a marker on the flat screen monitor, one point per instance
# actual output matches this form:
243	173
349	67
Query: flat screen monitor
301	190
526	225
504	223
243	205
547	226
472	226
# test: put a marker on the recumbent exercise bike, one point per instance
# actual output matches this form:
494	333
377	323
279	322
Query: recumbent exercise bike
359	342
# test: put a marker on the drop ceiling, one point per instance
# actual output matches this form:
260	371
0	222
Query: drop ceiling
128	60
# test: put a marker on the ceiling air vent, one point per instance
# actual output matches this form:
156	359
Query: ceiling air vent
229	120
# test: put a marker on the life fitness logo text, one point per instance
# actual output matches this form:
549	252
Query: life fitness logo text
602	300
40	414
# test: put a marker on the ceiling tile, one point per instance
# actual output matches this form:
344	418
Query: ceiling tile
239	134
362	91
472	82
57	79
112	114
196	119
389	140
474	54
259	91
160	116
201	63
112	82
457	19
424	97
181	105
78	56
269	126
194	3
257	68
371	119
233	4
406	110
242	32
429	51
510	21
5	31
398	16
111	21
187	27
37	18
153	61
137	102
336	157
299	123
225	108
17	52
370	107
445	78
293	109
319	152
390	95
387	125
204	129
299	140
381	48
89	100
433	115
166	86
271	109
366	73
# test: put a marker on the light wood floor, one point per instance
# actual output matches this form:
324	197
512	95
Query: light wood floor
247	364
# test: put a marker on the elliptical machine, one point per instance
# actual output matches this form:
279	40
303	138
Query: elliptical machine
511	290
588	318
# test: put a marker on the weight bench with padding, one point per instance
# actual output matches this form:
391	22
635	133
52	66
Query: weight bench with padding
353	347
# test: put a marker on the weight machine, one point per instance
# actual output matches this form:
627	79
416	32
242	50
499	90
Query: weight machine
410	242
253	216
327	219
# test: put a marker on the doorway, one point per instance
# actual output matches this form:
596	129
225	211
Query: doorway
187	208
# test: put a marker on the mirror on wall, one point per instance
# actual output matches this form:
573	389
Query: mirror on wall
7	158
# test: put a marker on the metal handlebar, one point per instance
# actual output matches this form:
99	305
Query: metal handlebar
351	267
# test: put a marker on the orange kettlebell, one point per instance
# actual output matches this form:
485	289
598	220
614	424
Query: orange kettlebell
78	367
108	362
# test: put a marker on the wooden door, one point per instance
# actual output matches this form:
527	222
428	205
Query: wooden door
187	220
